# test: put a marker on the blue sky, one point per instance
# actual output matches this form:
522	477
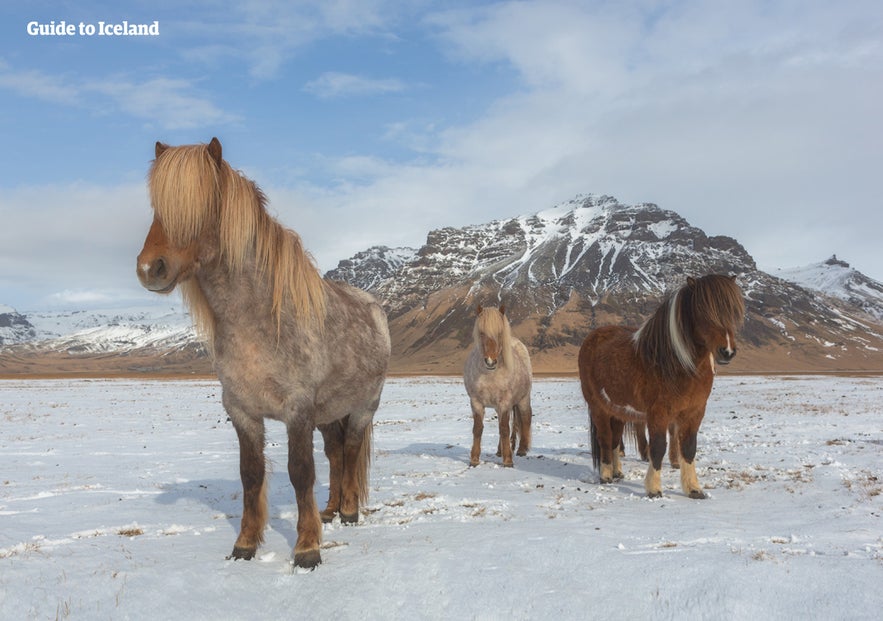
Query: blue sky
372	122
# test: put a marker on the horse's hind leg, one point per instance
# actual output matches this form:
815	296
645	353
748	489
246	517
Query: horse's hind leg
603	441
523	418
616	428
301	471
356	459
333	434
252	471
477	430
640	430
674	447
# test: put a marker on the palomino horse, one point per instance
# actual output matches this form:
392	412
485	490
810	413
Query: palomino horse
498	374
660	374
287	344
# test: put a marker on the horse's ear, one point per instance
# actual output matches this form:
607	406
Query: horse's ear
478	310
159	148
691	282
502	309
214	149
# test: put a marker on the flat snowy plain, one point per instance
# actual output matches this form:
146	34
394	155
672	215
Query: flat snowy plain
120	499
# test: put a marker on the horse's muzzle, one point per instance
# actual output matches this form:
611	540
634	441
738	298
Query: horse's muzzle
156	276
724	355
490	364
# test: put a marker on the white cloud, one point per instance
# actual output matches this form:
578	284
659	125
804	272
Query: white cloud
332	85
169	103
751	120
173	104
268	33
74	237
38	85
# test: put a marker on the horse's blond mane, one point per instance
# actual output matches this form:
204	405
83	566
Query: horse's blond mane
492	322
190	190
665	340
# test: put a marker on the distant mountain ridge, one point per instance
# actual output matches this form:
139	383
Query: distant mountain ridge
837	279
560	272
591	261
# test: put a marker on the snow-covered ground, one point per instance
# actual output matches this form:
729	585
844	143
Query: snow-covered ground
121	499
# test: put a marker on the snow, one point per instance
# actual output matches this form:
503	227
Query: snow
832	279
120	499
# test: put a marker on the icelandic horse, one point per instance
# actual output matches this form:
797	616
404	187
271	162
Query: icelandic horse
287	344
497	374
661	375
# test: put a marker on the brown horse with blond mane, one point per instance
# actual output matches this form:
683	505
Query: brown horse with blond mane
287	345
661	375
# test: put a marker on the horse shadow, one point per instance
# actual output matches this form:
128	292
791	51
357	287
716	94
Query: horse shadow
443	450
564	464
224	498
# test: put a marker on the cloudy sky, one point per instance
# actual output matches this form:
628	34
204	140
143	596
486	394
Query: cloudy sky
373	121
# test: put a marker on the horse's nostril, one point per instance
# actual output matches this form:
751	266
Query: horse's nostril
159	268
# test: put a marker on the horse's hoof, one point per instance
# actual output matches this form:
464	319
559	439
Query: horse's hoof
245	554
618	476
654	494
327	516
606	481
473	464
698	494
349	519
308	560
508	464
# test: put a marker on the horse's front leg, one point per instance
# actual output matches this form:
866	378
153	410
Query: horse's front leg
689	481
302	472
254	485
653	480
602	436
504	448
477	429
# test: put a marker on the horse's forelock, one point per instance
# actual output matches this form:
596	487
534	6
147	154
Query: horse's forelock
718	300
184	191
493	323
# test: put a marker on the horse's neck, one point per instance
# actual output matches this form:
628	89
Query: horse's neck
232	295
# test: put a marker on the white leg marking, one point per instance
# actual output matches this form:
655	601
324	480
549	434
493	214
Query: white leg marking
653	481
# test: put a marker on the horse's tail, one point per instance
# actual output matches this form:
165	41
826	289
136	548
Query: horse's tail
363	466
521	424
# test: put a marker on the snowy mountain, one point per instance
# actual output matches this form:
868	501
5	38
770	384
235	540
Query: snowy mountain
593	246
591	261
134	339
14	327
835	278
372	267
